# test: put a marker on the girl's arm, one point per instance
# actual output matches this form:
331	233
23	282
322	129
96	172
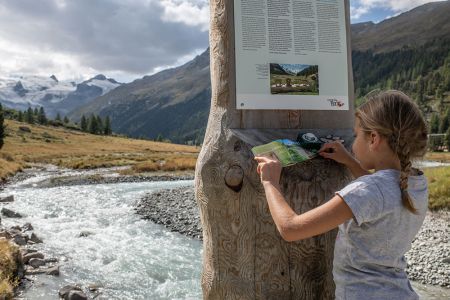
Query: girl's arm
291	226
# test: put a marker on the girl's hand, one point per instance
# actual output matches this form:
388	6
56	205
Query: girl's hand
337	152
269	169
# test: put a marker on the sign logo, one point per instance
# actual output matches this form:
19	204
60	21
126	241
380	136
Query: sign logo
335	102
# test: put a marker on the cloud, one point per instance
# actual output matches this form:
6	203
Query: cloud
84	37
363	7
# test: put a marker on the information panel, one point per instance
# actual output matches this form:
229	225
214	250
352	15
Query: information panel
291	54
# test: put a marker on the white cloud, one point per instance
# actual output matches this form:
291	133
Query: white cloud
189	13
127	38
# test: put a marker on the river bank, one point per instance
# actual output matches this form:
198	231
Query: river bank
428	259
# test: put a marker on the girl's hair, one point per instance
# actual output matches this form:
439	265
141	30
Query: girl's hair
397	118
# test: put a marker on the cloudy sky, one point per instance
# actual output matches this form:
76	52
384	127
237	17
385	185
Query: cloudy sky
123	39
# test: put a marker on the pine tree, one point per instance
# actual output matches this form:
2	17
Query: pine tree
20	116
434	124
159	138
2	127
36	113
107	129
93	128
66	120
99	125
445	122
29	117
58	117
447	139
42	118
84	124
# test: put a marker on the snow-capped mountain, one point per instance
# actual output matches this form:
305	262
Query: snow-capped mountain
21	92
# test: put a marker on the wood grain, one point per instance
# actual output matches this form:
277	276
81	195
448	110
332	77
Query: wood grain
244	256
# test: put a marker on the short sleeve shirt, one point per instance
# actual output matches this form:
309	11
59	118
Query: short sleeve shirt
369	260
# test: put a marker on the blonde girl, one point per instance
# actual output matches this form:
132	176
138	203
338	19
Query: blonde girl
379	213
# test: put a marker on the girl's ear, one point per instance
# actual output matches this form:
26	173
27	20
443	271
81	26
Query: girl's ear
375	140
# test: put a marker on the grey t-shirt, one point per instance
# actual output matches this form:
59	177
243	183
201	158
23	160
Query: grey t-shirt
369	260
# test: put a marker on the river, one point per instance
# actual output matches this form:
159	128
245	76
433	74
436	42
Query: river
128	257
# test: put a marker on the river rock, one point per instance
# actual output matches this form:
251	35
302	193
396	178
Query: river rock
19	240
76	295
53	271
36	262
64	291
7	199
34	271
27	227
28	256
85	234
5	234
446	260
34	238
10	214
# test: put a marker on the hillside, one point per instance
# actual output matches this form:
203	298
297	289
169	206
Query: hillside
25	144
408	52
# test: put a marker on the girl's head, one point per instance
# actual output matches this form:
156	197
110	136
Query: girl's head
397	120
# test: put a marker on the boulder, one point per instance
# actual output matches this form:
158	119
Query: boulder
64	291
34	238
53	271
27	227
76	295
28	256
36	262
10	214
19	240
7	199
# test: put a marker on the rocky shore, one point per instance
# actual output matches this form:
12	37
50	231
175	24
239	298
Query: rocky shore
428	259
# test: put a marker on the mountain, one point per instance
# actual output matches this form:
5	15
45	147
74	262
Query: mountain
411	29
54	96
173	103
410	52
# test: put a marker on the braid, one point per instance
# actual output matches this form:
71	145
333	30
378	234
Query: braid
403	153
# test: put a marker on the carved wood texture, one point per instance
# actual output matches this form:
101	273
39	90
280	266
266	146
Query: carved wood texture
244	256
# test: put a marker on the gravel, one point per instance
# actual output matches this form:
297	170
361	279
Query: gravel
428	260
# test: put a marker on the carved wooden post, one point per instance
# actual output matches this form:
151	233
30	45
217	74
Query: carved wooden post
244	255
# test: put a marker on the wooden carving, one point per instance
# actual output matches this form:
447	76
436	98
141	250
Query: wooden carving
244	255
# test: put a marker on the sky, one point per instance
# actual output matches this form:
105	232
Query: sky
122	39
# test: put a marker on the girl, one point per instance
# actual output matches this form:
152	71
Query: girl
379	213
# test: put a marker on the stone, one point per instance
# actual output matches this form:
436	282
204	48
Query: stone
27	227
7	199
34	271
19	240
35	239
64	291
76	295
446	260
85	234
54	271
28	256
36	262
10	214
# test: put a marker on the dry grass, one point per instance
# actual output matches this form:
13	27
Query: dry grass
438	156
8	267
73	149
439	187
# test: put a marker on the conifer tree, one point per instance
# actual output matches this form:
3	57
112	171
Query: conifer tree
42	118
107	128
84	124
66	120
447	139
36	113
99	125
434	124
93	127
58	117
20	116
2	127
29	117
445	122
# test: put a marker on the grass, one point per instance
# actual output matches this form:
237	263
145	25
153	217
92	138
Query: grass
438	156
9	255
439	187
78	150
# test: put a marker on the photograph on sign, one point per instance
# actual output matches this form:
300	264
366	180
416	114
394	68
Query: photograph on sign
284	48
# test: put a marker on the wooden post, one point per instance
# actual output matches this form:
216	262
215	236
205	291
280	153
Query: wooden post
244	256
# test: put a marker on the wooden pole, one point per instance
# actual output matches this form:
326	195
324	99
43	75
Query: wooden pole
244	256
